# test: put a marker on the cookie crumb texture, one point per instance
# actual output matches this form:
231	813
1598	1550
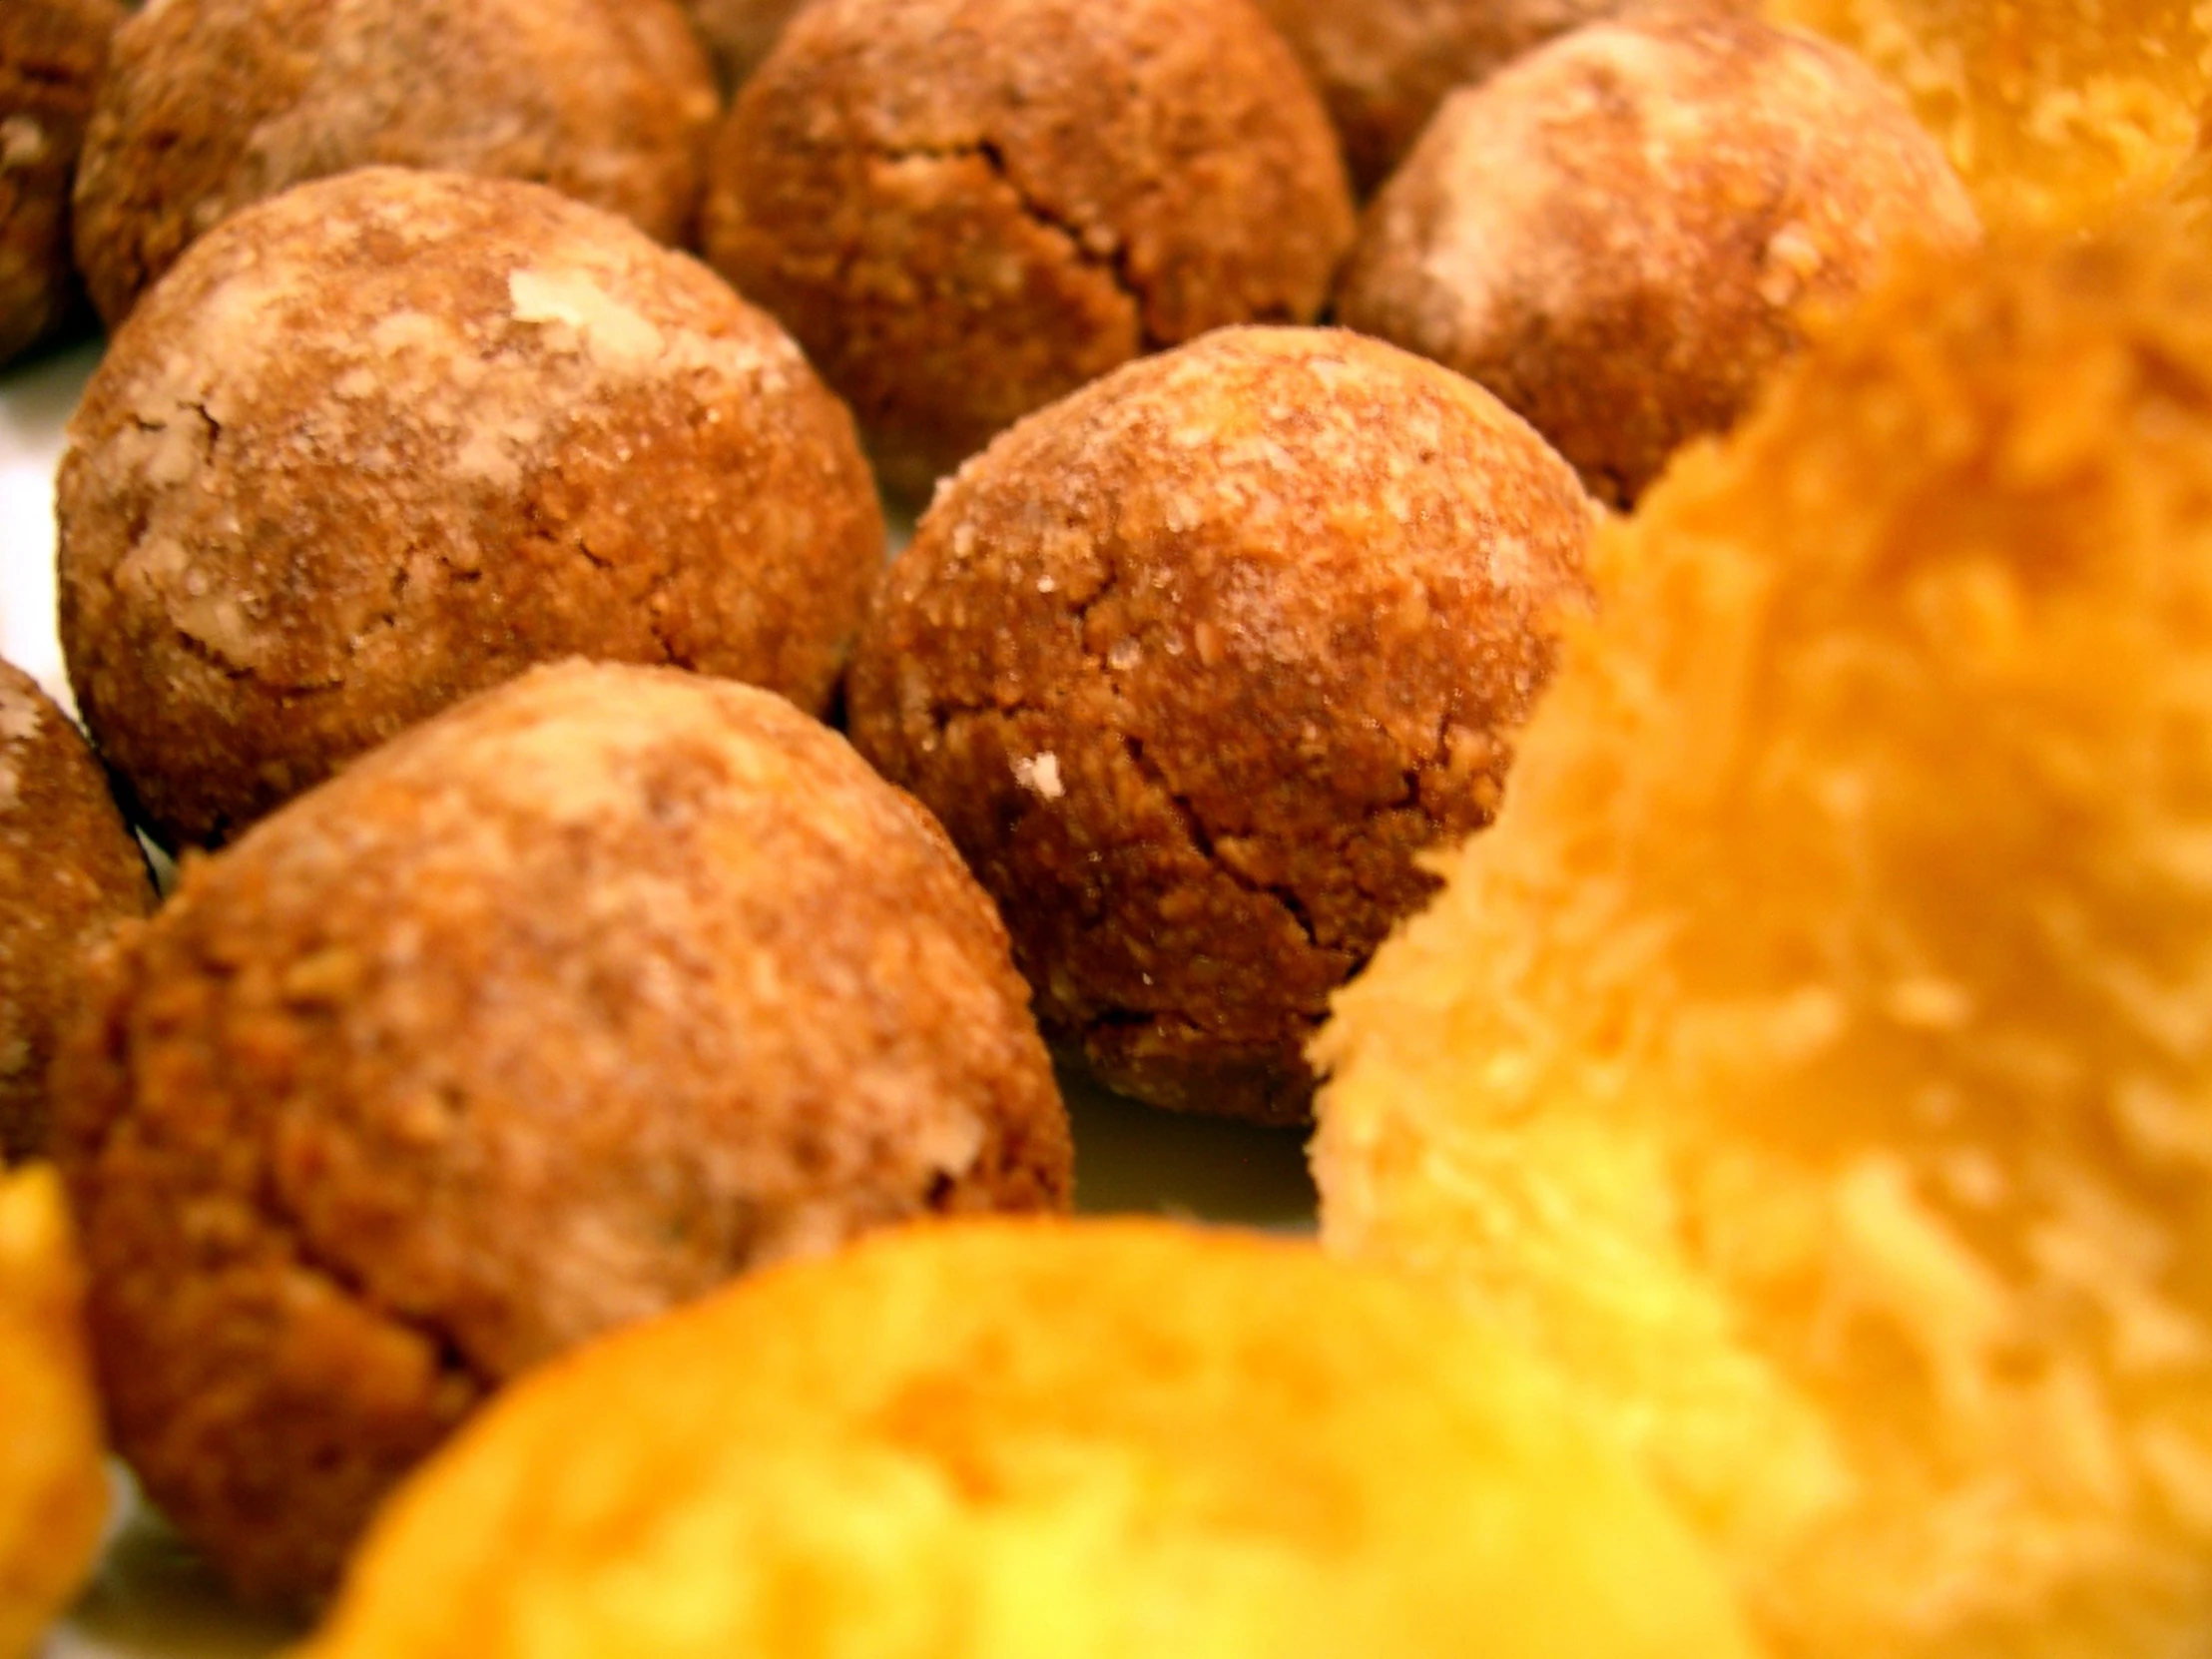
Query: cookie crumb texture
1384	65
52	55
2057	113
70	870
1621	232
999	1441
212	105
52	1468
393	437
556	1013
1814	1056
967	208
1194	665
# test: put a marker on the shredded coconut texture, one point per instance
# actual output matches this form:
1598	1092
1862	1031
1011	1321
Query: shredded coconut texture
2056	111
1817	1056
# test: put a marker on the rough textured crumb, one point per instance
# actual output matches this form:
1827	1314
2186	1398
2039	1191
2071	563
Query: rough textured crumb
212	105
1022	1442
966	209
52	55
52	1468
1814	1056
2056	112
1622	233
69	872
551	1016
1194	663
393	437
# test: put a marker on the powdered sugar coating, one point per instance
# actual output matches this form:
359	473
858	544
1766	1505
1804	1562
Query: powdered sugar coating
1194	663
1620	233
391	438
212	105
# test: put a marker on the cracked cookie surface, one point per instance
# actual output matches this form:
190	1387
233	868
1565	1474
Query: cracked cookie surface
555	1013
212	105
52	55
966	209
393	437
1621	232
1194	665
69	872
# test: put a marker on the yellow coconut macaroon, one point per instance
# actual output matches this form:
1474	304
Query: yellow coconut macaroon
2056	112
53	1490
1008	1441
1816	1059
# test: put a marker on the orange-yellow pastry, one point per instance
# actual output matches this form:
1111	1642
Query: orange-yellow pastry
1038	1441
2056	111
1816	1058
53	1490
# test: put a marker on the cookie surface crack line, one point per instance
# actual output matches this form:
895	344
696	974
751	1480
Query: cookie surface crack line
1113	263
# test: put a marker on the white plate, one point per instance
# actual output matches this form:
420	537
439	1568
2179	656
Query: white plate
152	1598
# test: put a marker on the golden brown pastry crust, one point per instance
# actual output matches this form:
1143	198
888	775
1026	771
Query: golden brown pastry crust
52	55
555	1013
1036	1441
53	1466
70	870
1195	664
212	105
393	437
966	209
1620	233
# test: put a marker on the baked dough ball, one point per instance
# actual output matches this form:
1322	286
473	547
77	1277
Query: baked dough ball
1195	664
1384	65
1620	233
393	437
1048	1441
69	872
2054	112
1814	1058
52	54
966	209
53	1478
557	1012
212	105
739	33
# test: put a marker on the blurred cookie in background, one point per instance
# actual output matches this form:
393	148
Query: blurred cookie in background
1621	232
966	209
212	105
52	55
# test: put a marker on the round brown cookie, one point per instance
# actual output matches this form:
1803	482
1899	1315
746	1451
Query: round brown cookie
52	54
393	437
1620	233
69	872
553	1014
211	105
1384	65
966	209
739	33
1195	664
